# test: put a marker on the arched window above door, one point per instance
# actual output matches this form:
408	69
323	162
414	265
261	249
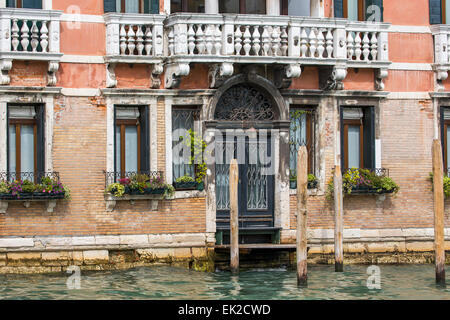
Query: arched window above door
244	102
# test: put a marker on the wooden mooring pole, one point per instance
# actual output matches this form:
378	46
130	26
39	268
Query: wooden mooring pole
338	221
438	197
302	214
234	217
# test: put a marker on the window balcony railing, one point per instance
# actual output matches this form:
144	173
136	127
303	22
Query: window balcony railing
31	186
135	185
368	181
29	34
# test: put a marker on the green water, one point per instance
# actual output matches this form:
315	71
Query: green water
397	282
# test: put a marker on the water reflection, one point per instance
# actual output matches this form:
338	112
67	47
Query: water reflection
397	282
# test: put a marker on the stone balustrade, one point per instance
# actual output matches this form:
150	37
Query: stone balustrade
223	40
441	34
29	34
134	38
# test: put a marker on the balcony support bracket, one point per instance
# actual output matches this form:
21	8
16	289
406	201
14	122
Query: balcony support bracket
53	67
5	67
111	81
157	70
332	78
218	73
380	75
283	76
173	74
3	206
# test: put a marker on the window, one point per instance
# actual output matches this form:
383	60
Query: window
445	137
131	139
25	139
30	4
183	120
439	11
243	6
358	138
295	8
301	134
195	6
359	10
132	6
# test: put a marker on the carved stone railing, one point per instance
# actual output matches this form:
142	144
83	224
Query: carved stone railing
134	38
441	34
223	40
367	46
29	34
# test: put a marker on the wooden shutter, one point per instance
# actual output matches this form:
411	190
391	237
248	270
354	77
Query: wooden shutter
109	5
40	139
144	123
435	12
10	3
378	3
339	8
32	4
369	137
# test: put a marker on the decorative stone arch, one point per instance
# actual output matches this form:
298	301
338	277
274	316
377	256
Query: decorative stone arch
279	125
260	83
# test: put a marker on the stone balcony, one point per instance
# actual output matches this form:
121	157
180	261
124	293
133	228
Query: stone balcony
134	38
288	42
441	34
29	34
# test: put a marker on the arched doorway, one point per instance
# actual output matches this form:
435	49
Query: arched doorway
246	114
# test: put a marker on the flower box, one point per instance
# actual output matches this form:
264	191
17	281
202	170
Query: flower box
185	185
368	190
189	186
154	191
32	196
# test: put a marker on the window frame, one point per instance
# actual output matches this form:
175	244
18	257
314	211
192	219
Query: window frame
122	123
195	109
361	11
184	7
243	7
18	123
310	136
445	124
19	5
443	13
353	122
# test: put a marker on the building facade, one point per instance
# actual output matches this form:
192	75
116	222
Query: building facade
95	91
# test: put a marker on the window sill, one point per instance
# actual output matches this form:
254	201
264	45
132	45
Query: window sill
50	203
311	192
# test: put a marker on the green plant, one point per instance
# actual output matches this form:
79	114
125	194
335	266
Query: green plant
116	189
67	195
4	187
185	179
354	178
198	146
28	186
312	178
169	191
446	184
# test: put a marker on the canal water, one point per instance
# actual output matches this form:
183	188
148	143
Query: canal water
160	282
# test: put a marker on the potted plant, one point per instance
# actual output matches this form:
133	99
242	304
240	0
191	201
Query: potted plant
185	183
312	181
198	146
5	192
